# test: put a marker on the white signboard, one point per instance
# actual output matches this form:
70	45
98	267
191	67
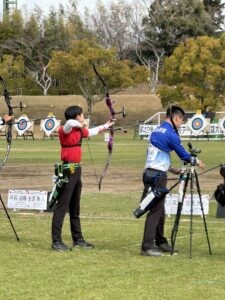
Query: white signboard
146	129
27	199
184	130
172	203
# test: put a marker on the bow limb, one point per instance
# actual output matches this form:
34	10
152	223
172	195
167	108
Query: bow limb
109	104
105	170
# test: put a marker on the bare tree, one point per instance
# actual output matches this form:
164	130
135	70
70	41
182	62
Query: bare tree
110	26
135	13
120	25
152	65
36	61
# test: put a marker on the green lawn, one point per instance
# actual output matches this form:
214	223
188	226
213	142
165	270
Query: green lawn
114	269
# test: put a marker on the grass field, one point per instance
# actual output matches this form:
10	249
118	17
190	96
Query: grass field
114	269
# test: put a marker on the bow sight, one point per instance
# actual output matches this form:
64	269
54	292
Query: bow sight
122	112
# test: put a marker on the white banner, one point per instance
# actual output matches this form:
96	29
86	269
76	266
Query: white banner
27	199
214	129
146	129
171	204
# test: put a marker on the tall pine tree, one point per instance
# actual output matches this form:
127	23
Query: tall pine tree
215	8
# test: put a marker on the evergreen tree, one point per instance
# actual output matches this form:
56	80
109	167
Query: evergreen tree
195	74
215	8
170	22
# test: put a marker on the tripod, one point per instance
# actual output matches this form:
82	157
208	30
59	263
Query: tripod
191	176
3	205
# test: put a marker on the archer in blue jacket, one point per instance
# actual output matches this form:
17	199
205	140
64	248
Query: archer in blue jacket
162	141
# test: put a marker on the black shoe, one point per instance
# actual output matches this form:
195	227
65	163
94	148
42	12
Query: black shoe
152	252
165	247
82	243
60	246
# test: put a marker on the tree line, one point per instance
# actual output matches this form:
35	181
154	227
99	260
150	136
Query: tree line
177	47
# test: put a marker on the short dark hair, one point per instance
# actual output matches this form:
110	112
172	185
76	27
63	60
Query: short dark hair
174	110
72	111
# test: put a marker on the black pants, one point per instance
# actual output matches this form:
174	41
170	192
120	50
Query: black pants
155	219
69	200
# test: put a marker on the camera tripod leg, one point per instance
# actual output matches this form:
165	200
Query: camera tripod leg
6	212
203	214
178	214
191	208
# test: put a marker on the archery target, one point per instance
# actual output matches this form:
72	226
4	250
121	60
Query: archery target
222	124
22	124
49	125
197	123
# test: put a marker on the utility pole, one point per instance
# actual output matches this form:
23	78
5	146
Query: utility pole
9	6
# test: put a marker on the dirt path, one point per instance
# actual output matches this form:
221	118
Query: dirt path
40	178
116	180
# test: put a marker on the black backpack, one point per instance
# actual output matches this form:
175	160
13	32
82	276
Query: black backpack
220	194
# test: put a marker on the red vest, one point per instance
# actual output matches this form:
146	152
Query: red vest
71	150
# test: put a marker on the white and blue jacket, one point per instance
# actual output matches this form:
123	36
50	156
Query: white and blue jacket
162	141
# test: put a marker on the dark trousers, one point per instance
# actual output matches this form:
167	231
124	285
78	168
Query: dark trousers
155	219
69	200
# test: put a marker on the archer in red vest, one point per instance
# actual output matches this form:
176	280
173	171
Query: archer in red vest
70	136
